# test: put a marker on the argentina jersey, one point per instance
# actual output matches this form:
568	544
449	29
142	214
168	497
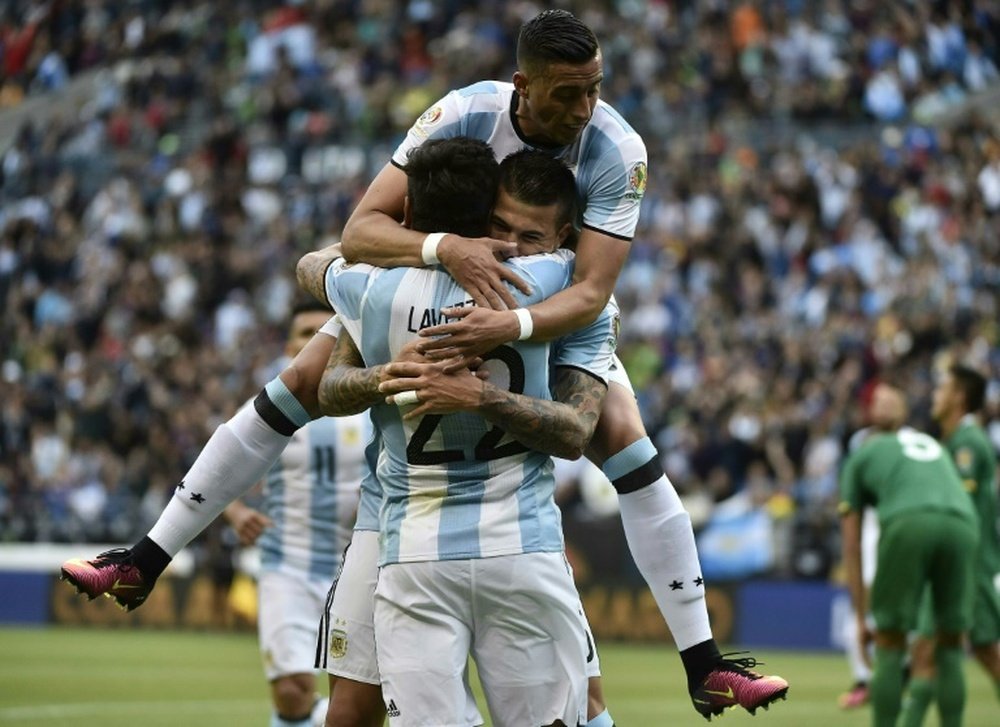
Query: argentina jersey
608	159
370	501
454	486
311	495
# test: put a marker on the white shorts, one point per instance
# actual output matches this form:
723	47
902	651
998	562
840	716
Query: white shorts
519	616
289	608
347	633
618	375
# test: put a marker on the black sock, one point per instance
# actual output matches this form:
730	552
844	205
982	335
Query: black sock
151	559
699	660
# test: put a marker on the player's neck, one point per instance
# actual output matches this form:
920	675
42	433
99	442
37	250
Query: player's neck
949	423
526	128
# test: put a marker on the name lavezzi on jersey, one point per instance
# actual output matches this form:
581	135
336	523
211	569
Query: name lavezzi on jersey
454	486
608	159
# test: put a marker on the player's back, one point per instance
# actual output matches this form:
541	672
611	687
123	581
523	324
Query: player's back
311	495
455	486
903	471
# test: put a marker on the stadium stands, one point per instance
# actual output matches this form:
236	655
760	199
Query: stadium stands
823	210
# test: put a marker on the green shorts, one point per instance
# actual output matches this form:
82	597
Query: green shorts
928	549
985	612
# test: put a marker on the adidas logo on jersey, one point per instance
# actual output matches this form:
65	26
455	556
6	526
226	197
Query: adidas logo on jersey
391	709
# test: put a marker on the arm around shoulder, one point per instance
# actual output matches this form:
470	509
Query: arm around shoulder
374	232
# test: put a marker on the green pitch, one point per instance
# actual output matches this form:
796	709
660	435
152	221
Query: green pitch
52	677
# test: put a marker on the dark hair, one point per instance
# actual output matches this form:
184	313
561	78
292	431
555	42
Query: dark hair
452	184
535	178
308	304
973	386
555	36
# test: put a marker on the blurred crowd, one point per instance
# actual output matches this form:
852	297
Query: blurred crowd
148	237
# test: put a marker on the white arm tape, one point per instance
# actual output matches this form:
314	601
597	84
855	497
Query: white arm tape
429	251
524	320
405	398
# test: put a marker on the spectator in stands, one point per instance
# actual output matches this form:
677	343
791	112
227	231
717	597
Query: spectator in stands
765	288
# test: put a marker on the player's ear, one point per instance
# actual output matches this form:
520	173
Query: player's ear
564	233
521	84
407	212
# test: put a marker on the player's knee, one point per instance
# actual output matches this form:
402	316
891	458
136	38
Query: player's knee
890	639
302	384
292	696
988	655
353	704
595	697
922	658
343	713
619	426
949	640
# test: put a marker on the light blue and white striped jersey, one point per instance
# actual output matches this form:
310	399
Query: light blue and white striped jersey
371	490
455	486
590	349
608	159
311	495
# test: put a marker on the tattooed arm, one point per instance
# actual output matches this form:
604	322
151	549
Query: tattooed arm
562	427
347	387
311	271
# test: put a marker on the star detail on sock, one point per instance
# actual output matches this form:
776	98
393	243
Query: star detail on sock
180	485
676	586
699	581
197	497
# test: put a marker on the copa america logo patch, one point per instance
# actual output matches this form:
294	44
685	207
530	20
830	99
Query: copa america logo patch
338	644
430	116
637	181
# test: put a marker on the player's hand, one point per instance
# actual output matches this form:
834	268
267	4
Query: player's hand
438	389
476	331
411	352
248	523
475	264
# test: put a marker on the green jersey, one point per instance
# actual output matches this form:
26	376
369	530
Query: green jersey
902	472
977	466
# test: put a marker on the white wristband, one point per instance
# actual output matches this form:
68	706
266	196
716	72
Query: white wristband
429	251
524	320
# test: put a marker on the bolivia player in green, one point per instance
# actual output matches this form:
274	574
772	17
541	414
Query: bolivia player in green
958	396
929	536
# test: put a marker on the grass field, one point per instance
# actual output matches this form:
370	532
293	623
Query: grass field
52	677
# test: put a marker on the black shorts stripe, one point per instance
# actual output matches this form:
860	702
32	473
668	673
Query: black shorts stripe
272	415
640	477
322	638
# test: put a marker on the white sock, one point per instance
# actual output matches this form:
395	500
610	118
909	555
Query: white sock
859	670
236	457
320	707
279	721
660	537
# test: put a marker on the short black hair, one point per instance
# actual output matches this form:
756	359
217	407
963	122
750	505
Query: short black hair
973	386
308	304
555	36
452	184
535	178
